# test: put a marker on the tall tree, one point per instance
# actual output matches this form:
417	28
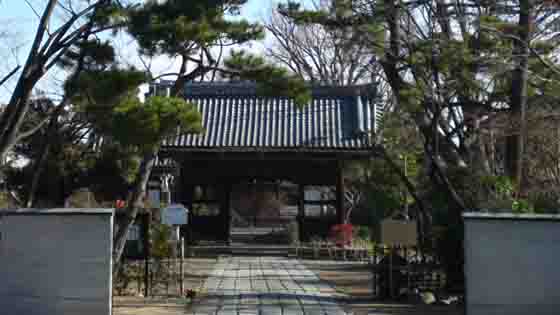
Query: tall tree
453	66
519	91
319	53
53	37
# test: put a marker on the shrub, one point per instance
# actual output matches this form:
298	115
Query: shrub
362	232
342	234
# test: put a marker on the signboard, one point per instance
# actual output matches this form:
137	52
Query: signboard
175	214
398	232
133	233
154	198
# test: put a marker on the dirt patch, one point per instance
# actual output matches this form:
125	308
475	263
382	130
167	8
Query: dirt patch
196	272
354	280
149	306
403	309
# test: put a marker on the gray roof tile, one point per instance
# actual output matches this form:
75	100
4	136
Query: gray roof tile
236	118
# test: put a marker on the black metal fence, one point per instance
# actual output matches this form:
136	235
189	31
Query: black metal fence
153	277
396	270
399	270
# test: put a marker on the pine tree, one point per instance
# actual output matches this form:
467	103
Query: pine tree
189	30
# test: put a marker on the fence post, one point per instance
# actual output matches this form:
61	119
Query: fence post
373	271
408	271
181	266
168	276
147	221
391	272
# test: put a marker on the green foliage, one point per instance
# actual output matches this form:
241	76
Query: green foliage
108	99
544	203
168	27
504	197
160	244
112	13
271	80
382	194
362	232
6	201
98	91
66	170
522	205
152	121
70	166
91	53
190	29
501	184
112	172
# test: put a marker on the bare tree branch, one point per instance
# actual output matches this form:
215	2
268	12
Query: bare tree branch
9	75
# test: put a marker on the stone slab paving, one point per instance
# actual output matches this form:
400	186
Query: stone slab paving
266	286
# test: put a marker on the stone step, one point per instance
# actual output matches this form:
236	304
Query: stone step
241	250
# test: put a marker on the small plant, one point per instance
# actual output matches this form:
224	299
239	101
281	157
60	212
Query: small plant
160	245
190	294
505	196
522	206
361	232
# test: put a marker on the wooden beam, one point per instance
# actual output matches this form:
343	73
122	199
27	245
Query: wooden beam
307	172
179	155
301	200
226	210
301	211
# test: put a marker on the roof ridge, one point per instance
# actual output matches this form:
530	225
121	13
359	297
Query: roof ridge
249	88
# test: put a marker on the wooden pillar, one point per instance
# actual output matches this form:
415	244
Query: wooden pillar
277	187
186	197
301	212
340	211
225	211
188	201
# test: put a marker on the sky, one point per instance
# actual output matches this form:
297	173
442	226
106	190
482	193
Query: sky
19	21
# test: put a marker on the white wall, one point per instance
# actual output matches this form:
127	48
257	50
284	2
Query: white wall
56	264
512	265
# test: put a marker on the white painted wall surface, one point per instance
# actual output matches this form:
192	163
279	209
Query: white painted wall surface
512	265
56	264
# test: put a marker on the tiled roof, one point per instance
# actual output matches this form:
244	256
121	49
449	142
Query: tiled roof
236	118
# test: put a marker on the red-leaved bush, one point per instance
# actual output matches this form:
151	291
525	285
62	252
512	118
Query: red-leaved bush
120	204
342	234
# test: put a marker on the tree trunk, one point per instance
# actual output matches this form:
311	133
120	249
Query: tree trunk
12	117
135	203
37	171
42	162
516	142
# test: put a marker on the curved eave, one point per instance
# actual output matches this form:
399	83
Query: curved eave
267	149
259	153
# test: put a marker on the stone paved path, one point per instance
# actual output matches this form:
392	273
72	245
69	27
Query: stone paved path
266	285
